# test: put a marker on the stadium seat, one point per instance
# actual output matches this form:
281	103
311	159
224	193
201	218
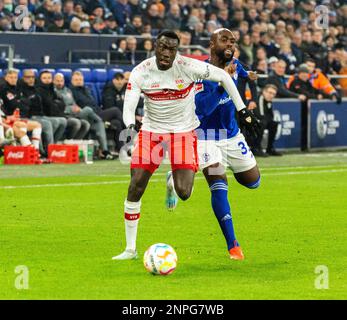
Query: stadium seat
112	71
52	71
87	74
99	87
1	73
67	74
94	91
35	71
99	75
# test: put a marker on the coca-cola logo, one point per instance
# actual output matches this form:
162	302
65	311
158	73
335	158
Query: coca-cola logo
58	154
15	155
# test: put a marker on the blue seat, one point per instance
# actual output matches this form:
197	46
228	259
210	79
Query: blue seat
35	71
112	71
87	74
52	71
1	73
100	87
99	75
67	74
94	91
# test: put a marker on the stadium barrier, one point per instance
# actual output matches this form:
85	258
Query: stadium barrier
288	113
327	124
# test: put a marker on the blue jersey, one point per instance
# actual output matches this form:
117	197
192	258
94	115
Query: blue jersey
215	109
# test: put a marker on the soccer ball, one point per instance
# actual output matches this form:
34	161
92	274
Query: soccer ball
160	258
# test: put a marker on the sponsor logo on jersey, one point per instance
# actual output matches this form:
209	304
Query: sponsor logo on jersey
169	94
15	155
58	154
224	100
155	85
326	124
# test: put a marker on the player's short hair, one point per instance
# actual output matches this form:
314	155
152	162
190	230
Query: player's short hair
169	34
270	86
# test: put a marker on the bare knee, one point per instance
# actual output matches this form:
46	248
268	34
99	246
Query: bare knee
19	129
183	191
250	179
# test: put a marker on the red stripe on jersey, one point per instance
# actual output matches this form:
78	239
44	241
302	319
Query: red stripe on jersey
132	216
168	94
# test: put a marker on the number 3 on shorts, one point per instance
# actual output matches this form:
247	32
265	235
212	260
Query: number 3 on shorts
243	147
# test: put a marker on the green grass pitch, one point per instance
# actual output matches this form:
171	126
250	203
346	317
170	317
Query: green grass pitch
65	222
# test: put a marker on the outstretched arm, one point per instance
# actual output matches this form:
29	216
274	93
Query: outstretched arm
201	70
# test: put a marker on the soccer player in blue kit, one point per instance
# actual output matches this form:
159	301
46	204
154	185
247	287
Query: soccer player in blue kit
220	142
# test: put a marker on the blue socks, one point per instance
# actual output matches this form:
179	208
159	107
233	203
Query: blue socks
221	208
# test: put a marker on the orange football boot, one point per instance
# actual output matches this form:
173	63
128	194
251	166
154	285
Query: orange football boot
236	252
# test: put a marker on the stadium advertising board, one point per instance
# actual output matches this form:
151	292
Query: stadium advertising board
288	113
327	124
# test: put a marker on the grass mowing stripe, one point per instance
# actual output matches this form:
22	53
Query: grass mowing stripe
79	184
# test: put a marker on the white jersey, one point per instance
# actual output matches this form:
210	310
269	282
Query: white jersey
169	95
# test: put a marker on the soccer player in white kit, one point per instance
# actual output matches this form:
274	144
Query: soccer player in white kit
167	82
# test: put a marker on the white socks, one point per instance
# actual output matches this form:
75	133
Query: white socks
2	133
131	217
36	137
25	141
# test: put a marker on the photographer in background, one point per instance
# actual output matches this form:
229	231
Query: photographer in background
264	113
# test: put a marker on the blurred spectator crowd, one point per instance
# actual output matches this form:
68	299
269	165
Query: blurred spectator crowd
64	111
286	29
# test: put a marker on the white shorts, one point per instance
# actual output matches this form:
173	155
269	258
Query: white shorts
233	153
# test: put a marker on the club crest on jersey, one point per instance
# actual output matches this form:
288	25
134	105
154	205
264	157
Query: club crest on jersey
206	157
180	83
129	86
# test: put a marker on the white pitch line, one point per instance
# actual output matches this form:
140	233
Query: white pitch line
79	184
